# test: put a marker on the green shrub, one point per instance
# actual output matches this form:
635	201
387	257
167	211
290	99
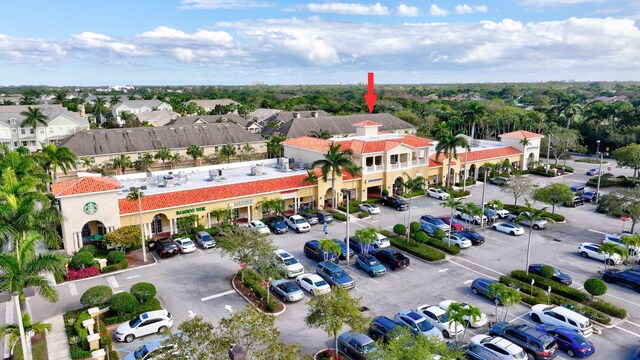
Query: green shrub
143	291
524	287
113	354
568	169
421	237
59	277
439	233
519	208
609	309
468	182
96	296
109	268
150	305
82	260
77	352
418	192
123	264
90	248
452	192
80	330
595	287
591	161
415	248
339	216
440	244
541	172
547	271
556	288
362	214
385	193
115	256
123	303
414	227
272	306
400	229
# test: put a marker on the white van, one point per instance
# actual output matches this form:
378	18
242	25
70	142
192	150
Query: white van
558	315
148	323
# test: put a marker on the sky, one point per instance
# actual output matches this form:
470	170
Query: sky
242	42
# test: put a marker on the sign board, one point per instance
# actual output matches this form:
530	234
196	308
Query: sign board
624	218
90	208
289	195
189	211
241	203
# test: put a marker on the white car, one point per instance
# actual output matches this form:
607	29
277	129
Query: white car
479	321
616	239
381	243
370	208
537	224
286	260
468	218
501	213
438	193
561	316
148	323
185	245
438	318
590	250
508	228
458	240
297	223
501	347
313	283
259	227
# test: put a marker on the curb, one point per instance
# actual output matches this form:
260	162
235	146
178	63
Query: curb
155	262
258	309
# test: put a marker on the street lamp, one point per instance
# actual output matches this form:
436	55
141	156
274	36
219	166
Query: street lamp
484	187
599	171
548	151
347	193
136	193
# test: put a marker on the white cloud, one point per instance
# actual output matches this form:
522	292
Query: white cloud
406	10
436	10
165	33
541	3
349	8
30	49
468	9
223	4
94	41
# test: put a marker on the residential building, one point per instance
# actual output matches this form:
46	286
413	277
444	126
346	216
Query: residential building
210	105
157	117
249	125
138	106
282	117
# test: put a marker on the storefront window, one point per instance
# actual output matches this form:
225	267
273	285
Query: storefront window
156	224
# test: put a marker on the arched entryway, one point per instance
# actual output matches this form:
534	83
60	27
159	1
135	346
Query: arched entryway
160	224
93	231
398	186
452	177
530	159
328	199
472	171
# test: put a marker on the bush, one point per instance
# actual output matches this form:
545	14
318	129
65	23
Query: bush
339	216
116	256
80	330
421	237
468	182
123	303
362	214
143	291
385	193
90	248
82	273
272	306
547	272
415	248
609	309
151	305
59	277
82	260
123	264
541	172
519	208
595	287
96	296
439	233
400	229
591	161
452	192
414	227
568	169
556	288
524	287
78	353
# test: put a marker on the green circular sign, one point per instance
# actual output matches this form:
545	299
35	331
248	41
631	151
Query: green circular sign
90	208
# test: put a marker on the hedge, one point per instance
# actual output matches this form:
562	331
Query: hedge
116	256
524	287
143	291
591	161
362	214
609	309
541	172
79	353
568	169
82	260
354	206
415	248
96	296
610	182
468	182
150	305
123	303
519	208
440	244
452	192
339	216
556	288
252	280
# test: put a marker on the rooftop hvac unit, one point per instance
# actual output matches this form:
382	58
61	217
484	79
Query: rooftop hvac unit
181	175
213	174
256	170
187	178
168	181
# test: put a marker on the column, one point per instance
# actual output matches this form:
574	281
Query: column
208	220
171	226
296	203
77	241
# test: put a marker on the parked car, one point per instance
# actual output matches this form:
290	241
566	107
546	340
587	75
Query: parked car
558	315
185	245
417	323
259	227
577	189
205	239
508	228
147	323
590	250
394	259
277	225
576	201
477	322
569	340
370	265
289	263
495	211
537	224
430	229
558	275
382	327
324	216
397	202
505	349
381	243
343	248
629	277
311	218
476	239
457	240
534	342
166	248
501	181
478	352
312	251
616	239
370	208
434	221
150	350
297	223
475	219
335	275
438	193
355	345
438	318
593	172
482	286
454	224
313	283
288	290
357	246
589	196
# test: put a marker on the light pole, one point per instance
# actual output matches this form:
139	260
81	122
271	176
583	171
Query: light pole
548	151
137	195
599	172
346	192
484	187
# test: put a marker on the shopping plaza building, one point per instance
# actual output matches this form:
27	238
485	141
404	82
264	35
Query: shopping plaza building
93	206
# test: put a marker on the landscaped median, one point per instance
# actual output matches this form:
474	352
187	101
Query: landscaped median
517	209
253	288
413	247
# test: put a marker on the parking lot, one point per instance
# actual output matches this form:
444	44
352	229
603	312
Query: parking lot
199	283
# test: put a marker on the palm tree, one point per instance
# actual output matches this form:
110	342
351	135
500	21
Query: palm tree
311	178
453	204
570	107
227	151
448	144
33	117
98	107
474	111
274	148
510	297
122	162
334	162
248	151
13	330
320	134
60	96
473	210
266	205
86	162
496	292
525	142
412	185
329	246
196	152
136	195
470	312
530	215
163	154
455	313
27	98
278	206
633	245
23	165
115	99
221	215
130	119
610	249
54	157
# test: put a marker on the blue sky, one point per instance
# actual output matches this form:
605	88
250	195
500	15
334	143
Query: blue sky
237	42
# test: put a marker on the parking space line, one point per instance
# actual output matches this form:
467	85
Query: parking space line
408	268
627	331
375	281
476	264
112	281
201	252
578	265
470	269
597	232
394	275
73	289
217	295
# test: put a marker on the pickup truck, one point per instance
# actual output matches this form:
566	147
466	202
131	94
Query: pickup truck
537	224
466	217
392	258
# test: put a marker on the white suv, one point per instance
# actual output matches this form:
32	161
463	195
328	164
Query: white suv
438	193
466	217
590	250
502	348
286	260
148	323
616	239
297	223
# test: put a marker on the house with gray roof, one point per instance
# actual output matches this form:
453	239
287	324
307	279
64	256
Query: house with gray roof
208	105
158	118
60	124
249	125
285	116
138	106
103	145
338	125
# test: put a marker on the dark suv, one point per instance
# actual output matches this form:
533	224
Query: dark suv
312	251
166	248
396	202
535	343
382	327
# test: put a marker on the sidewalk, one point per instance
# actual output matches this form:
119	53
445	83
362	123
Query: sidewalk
57	345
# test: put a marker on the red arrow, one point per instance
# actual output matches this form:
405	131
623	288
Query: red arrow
370	97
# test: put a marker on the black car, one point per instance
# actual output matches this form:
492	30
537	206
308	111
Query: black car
557	274
476	239
392	258
381	327
589	196
535	343
312	251
277	225
629	277
324	216
397	202
166	248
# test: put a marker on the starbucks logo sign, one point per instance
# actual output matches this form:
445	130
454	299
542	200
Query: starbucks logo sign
90	208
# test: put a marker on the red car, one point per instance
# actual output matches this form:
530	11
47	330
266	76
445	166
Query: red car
456	226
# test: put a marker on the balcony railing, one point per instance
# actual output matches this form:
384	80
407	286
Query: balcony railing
374	168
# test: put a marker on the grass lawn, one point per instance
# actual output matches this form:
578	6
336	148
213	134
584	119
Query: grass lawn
38	347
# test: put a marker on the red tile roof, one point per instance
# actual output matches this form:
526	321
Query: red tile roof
481	154
521	134
310	143
195	196
358	146
84	185
345	174
367	123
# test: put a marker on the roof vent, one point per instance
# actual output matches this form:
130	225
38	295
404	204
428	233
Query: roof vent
256	170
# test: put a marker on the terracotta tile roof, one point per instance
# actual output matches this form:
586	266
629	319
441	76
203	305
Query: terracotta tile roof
433	163
358	146
521	134
195	196
84	185
367	123
345	174
481	154
308	142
